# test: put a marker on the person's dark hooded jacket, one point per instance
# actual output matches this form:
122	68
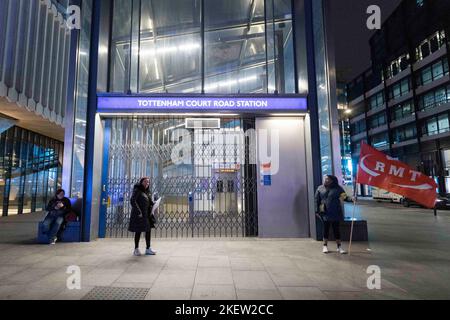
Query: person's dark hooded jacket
66	209
141	219
330	198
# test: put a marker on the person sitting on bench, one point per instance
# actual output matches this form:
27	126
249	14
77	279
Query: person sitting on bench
57	209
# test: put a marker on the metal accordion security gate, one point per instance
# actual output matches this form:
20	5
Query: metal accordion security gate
204	170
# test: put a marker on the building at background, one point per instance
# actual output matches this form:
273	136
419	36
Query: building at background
401	104
35	45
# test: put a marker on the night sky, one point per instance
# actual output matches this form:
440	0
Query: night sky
348	19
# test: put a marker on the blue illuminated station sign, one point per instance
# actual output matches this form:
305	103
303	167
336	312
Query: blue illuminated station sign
139	104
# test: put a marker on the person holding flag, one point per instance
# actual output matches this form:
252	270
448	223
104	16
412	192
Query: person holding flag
328	199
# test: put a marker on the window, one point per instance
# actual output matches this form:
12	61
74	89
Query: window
430	45
403	110
405	133
434	98
419	3
398	65
436	125
376	101
433	72
358	127
377	120
399	89
380	140
357	145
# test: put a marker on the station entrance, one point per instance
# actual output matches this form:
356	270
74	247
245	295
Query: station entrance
203	168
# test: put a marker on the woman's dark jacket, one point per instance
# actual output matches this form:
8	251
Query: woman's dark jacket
331	199
60	212
141	219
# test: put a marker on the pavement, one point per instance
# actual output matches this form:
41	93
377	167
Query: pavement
409	245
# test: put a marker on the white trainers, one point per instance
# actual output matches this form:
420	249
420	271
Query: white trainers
325	249
53	242
150	252
341	251
137	253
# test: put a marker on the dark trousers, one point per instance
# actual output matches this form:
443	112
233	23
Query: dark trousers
52	224
335	226
137	238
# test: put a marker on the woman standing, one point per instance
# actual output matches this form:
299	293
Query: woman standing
141	219
329	197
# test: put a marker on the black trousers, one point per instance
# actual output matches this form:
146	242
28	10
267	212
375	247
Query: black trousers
137	238
335	226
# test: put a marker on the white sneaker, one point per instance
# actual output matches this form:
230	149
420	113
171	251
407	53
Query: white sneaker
325	249
137	253
150	252
53	241
341	251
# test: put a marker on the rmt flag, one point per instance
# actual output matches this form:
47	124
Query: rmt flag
379	170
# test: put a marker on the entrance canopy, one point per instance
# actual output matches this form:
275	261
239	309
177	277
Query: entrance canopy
164	103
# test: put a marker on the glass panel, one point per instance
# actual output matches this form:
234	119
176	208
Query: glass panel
322	89
438	70
170	46
432	126
81	103
235	42
120	46
405	87
443	123
426	76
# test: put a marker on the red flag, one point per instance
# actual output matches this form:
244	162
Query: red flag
379	170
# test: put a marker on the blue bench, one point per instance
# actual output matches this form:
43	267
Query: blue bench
73	229
70	234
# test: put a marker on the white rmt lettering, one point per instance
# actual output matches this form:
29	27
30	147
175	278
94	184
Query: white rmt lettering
398	172
414	175
374	20
380	166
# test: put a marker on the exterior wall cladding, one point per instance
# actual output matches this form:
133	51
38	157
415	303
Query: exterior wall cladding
401	105
34	55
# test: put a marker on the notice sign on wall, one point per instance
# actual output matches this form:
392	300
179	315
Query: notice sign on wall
266	174
199	104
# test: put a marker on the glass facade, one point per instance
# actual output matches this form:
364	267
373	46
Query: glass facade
376	101
323	90
400	89
81	102
210	46
434	98
402	110
433	72
30	170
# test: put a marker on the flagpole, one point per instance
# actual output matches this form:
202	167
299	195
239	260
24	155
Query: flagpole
351	228
353	213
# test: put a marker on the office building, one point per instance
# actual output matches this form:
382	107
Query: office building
401	104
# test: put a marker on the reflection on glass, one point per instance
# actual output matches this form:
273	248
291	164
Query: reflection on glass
81	103
248	48
30	170
144	147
